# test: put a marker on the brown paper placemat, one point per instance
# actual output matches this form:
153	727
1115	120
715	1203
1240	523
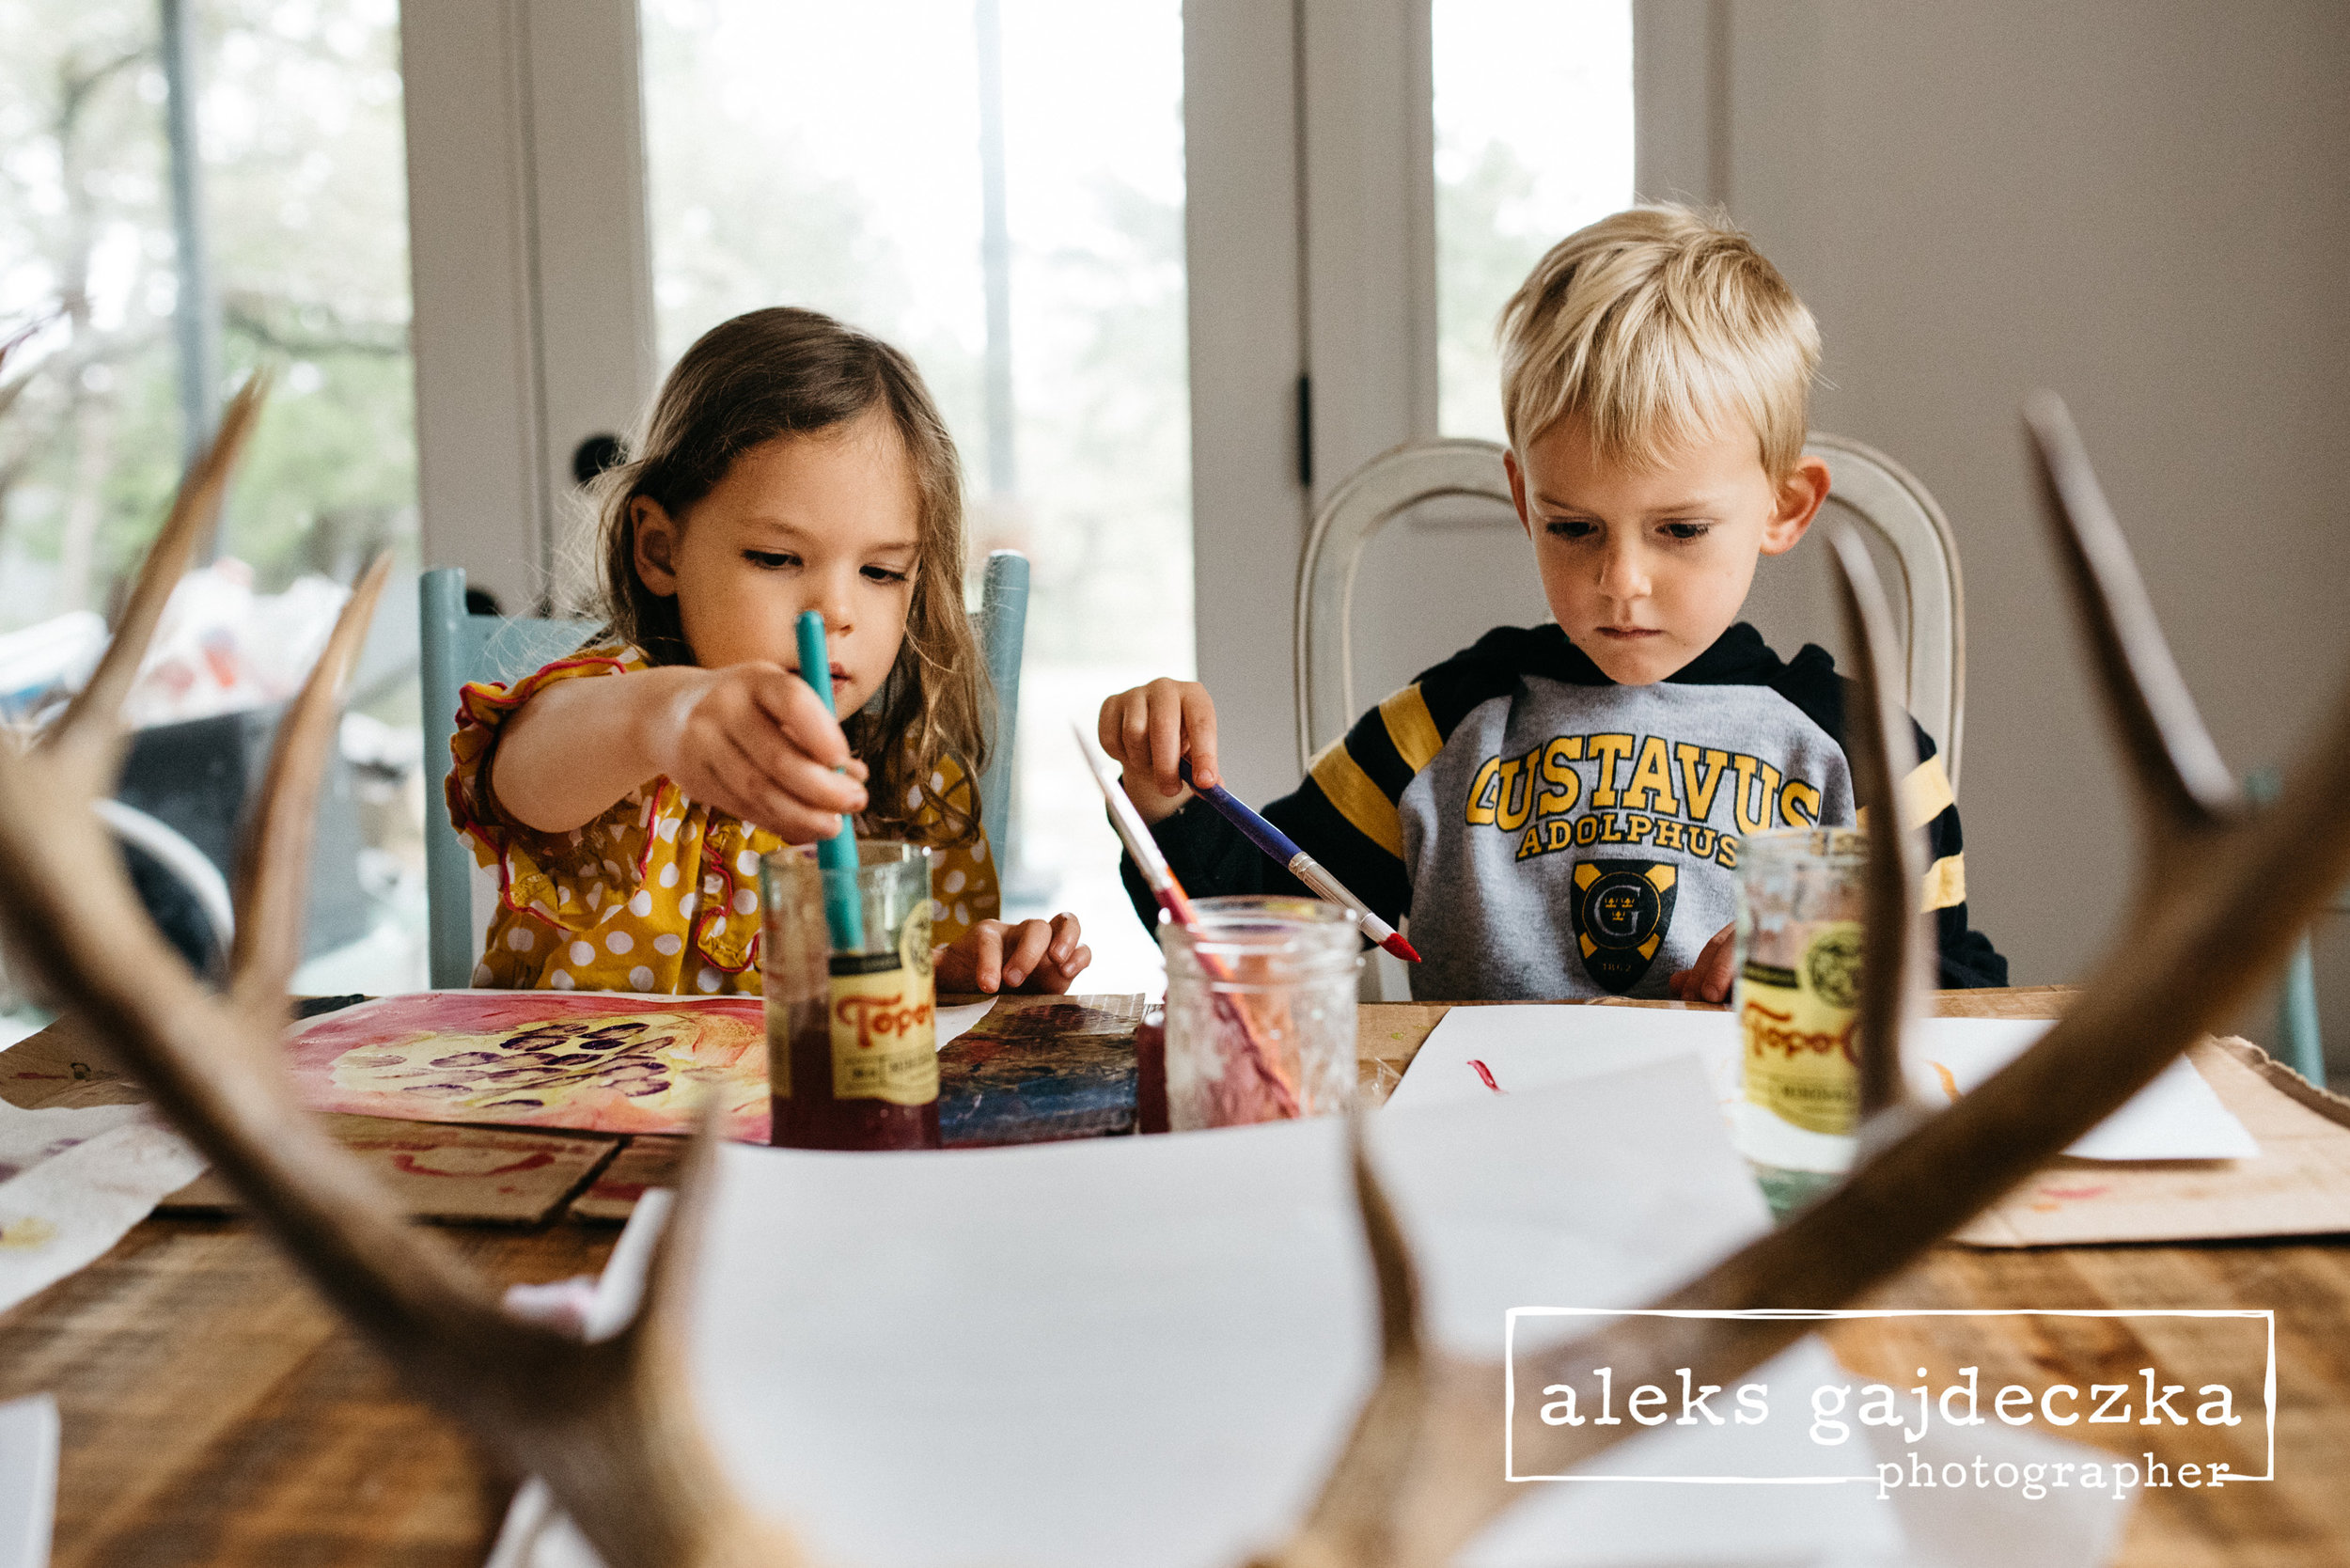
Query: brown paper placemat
456	1175
466	1175
2300	1187
648	1161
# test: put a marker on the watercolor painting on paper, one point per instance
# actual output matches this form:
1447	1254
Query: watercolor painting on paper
538	1058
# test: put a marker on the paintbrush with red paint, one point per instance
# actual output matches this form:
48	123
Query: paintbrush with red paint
1169	892
1303	867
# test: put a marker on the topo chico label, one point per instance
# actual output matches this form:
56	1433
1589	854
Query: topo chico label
1801	1061
884	1026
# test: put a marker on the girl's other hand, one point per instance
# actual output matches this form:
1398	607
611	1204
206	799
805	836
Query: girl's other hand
753	740
1708	979
1034	955
1152	728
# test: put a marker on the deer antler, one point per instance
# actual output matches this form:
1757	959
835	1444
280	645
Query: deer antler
2206	931
607	1425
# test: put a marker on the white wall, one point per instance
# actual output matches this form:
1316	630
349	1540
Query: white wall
2141	204
531	267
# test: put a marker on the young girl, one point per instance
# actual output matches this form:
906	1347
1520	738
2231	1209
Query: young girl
627	791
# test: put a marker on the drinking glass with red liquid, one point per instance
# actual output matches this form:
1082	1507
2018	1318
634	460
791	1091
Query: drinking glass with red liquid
852	1031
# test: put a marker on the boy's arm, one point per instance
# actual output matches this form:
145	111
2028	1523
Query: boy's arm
1969	961
1343	814
1209	857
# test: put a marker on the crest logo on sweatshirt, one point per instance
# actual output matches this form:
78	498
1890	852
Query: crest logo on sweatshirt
1621	909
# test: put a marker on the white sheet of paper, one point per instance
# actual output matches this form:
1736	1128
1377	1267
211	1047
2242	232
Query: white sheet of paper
29	1137
1144	1350
65	1211
953	1021
2177	1117
29	1481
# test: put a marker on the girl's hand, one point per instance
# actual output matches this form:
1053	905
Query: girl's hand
754	741
1708	979
1030	956
1152	728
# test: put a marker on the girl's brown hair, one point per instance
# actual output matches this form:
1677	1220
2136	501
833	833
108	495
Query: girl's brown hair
786	371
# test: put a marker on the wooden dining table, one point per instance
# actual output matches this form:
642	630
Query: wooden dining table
216	1410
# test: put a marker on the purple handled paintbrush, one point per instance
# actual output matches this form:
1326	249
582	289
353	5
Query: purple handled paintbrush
1303	867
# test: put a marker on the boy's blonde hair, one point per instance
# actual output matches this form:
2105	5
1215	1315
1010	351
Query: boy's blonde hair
1655	323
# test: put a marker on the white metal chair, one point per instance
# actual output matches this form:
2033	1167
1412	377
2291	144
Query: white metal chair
1867	488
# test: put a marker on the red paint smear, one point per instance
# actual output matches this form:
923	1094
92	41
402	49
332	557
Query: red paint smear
1487	1073
1402	948
529	1162
2073	1193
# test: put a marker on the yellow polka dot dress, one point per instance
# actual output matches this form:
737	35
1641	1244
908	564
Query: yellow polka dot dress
661	893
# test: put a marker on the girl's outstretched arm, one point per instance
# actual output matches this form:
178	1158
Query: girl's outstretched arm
751	740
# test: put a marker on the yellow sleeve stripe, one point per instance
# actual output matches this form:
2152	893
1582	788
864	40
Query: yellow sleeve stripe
1946	884
1411	729
1358	800
1925	793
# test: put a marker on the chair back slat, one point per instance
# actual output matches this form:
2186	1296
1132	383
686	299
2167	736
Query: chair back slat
1003	636
456	646
1867	488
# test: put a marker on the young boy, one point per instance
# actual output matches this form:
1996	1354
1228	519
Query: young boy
1560	807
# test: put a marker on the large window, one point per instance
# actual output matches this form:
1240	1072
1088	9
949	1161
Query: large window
1533	141
301	223
190	189
997	188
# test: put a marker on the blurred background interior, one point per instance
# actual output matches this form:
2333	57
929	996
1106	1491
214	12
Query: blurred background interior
1173	271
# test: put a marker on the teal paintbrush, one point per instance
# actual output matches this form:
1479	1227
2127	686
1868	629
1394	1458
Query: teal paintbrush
844	911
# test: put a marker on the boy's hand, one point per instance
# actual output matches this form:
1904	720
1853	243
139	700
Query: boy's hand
1149	730
753	740
1030	956
1708	979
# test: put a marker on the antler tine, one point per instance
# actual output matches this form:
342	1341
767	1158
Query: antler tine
609	1423
633	1467
274	859
2209	934
1353	1518
2170	753
1883	754
87	726
72	911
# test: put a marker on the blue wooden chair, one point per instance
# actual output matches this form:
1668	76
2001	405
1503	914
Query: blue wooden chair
2298	1042
459	646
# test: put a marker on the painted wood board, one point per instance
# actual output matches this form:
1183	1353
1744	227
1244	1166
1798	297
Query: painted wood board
1041	1068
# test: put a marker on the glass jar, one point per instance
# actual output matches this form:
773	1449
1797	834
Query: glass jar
1801	896
1260	1011
851	1029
